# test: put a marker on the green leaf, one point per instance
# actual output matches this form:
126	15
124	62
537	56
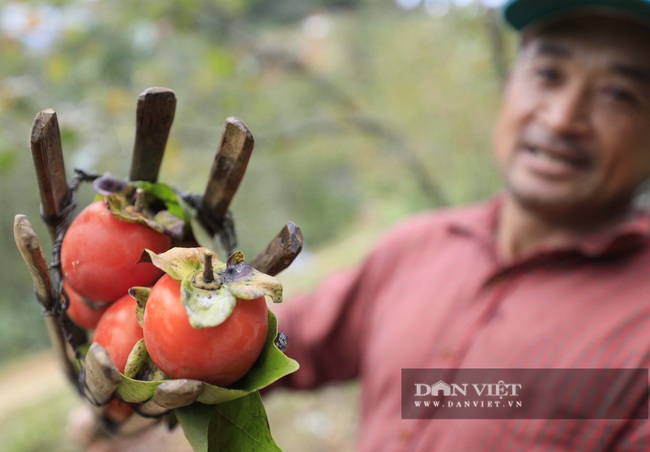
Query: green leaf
241	424
195	422
141	295
164	193
181	263
139	365
136	359
136	391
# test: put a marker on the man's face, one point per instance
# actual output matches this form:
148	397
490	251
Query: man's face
573	136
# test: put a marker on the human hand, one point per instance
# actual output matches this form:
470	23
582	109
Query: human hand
101	378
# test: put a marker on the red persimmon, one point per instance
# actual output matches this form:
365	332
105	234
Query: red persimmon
118	330
100	254
117	411
82	313
219	355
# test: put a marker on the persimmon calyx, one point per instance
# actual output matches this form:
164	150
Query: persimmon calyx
128	202
210	288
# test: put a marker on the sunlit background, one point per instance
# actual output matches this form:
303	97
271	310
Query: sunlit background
363	112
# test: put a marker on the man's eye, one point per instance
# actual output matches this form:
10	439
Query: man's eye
547	74
619	94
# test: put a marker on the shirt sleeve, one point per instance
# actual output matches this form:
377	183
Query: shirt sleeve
323	330
328	330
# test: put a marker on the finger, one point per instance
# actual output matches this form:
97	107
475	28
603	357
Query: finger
101	377
172	394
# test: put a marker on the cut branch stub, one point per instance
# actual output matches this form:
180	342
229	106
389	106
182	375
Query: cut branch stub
102	377
228	167
281	251
34	257
172	394
47	154
154	117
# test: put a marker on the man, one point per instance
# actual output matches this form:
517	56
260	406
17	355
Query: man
553	273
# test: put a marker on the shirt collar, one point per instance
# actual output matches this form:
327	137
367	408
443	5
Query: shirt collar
481	224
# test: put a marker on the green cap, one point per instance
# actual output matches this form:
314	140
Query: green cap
522	13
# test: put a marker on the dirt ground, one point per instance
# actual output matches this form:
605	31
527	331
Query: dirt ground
28	381
315	421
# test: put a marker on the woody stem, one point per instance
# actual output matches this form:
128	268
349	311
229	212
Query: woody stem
208	272
139	200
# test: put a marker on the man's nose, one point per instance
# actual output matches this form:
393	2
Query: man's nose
567	110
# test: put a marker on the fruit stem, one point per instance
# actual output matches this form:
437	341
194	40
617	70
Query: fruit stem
139	200
208	272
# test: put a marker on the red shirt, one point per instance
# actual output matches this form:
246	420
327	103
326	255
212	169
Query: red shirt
434	294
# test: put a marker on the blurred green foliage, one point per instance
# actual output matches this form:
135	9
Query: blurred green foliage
356	107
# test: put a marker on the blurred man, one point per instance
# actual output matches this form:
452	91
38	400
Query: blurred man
552	273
